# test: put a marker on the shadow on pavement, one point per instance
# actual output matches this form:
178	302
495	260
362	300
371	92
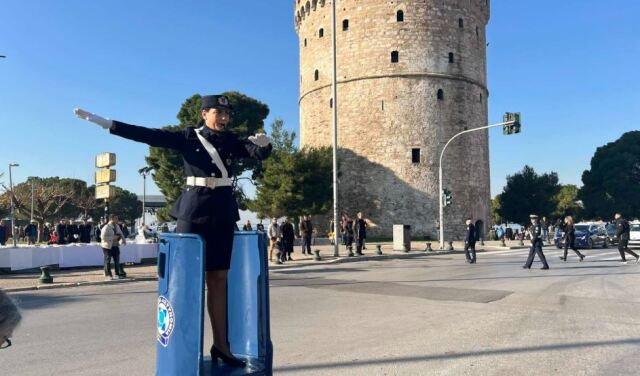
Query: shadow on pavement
455	355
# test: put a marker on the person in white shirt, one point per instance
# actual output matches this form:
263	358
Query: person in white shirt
111	236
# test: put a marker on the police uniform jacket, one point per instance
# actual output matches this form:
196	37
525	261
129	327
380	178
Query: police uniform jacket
199	204
622	229
471	234
536	233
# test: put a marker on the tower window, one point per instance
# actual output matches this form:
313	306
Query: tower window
450	57
440	94
415	155
460	23
400	16
345	25
395	57
480	97
382	105
320	33
331	103
316	75
477	32
305	42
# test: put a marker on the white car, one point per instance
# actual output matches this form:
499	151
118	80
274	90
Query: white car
634	235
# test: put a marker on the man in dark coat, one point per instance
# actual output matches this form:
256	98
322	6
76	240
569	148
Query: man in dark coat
622	234
207	207
287	234
361	233
85	232
536	244
306	233
3	233
61	230
470	242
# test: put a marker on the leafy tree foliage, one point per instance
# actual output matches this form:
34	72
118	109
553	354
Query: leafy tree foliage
293	182
248	119
612	184
527	193
567	202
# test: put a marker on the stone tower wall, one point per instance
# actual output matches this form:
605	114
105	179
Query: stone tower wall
387	109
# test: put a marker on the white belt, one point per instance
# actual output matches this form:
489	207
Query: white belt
212	183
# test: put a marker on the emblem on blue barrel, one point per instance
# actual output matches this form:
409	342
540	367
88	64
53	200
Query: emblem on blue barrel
166	320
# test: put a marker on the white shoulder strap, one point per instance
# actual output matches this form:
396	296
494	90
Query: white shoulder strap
215	156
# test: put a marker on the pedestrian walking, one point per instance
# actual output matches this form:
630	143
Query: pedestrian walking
306	233
470	242
536	244
360	233
349	234
622	234
3	233
274	234
207	207
111	235
287	237
570	239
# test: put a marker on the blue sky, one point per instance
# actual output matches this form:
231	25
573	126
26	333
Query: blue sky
569	66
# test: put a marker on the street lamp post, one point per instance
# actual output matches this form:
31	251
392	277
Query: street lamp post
336	247
13	215
31	200
441	198
144	172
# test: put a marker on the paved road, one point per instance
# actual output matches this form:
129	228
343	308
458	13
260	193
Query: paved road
432	315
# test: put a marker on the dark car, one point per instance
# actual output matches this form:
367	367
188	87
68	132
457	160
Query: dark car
611	234
587	236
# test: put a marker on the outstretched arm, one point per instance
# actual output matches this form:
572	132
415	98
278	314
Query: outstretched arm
150	136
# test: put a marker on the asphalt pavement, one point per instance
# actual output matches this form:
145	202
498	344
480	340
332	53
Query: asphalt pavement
426	315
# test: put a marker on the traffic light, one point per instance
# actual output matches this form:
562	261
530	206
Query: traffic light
446	197
516	125
514	120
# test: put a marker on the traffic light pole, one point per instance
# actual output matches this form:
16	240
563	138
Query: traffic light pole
441	223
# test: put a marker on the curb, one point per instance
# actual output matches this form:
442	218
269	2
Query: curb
80	284
373	257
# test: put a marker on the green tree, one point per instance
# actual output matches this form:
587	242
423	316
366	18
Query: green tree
495	206
293	182
567	202
248	119
527	193
125	205
611	184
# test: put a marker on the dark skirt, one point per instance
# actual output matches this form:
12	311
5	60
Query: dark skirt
218	242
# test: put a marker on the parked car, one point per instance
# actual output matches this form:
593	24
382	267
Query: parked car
611	233
588	235
634	235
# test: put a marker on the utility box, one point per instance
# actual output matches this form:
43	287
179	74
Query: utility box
402	238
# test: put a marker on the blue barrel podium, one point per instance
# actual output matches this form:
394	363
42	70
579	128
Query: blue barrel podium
181	303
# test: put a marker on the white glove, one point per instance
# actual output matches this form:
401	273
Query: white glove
82	114
260	139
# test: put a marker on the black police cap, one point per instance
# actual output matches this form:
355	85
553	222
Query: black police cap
216	101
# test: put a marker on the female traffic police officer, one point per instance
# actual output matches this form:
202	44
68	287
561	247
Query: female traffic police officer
207	206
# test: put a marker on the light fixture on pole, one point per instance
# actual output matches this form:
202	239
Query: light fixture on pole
13	215
144	172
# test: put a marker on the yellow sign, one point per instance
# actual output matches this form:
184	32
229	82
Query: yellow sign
105	160
105	191
105	176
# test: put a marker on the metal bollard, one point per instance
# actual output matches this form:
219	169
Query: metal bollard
520	242
350	249
502	243
429	249
45	277
450	246
317	257
407	248
378	249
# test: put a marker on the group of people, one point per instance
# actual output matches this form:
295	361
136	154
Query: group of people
351	231
28	233
537	234
282	238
